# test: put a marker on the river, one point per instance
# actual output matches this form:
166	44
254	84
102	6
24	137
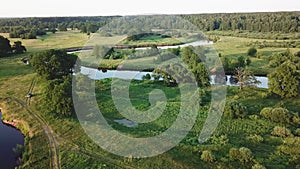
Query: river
96	74
10	137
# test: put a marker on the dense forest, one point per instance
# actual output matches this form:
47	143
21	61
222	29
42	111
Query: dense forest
285	22
281	22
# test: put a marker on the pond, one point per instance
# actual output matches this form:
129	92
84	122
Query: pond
9	139
96	74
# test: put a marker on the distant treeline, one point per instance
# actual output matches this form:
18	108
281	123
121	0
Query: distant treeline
284	22
29	28
280	22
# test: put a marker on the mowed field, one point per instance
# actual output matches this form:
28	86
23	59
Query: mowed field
53	41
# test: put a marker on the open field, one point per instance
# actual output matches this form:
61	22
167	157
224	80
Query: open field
59	40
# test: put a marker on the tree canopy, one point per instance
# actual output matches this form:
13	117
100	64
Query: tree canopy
54	64
56	67
5	47
285	80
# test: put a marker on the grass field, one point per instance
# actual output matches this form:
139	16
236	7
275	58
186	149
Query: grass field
58	40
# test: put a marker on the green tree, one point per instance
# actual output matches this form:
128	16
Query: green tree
18	48
195	62
284	81
252	52
234	110
5	47
54	64
58	96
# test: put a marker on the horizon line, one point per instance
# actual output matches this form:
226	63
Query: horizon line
118	15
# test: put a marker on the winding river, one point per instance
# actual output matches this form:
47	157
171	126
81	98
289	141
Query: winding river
96	74
10	137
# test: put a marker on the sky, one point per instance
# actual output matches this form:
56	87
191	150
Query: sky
42	8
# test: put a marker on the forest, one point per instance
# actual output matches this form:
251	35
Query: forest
281	22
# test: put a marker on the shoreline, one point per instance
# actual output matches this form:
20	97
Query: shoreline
13	124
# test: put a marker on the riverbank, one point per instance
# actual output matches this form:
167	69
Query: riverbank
15	141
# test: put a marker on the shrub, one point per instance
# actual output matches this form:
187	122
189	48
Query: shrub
266	112
245	155
235	110
242	154
279	115
258	166
297	132
252	52
255	138
146	77
234	154
281	132
207	156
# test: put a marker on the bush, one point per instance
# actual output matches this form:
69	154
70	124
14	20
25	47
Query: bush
245	155
266	112
255	138
242	154
147	77
258	166
252	52
207	156
234	154
297	132
281	132
235	110
279	115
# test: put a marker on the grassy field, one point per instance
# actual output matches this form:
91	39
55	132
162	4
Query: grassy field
58	40
233	47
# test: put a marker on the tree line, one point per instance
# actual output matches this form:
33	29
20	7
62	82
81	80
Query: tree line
30	28
6	49
284	22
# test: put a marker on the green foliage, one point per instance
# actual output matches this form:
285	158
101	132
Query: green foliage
252	52
5	48
234	154
245	155
195	62
53	64
255	138
146	77
207	156
58	96
281	132
285	81
258	166
18	48
234	110
297	132
252	22
280	115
